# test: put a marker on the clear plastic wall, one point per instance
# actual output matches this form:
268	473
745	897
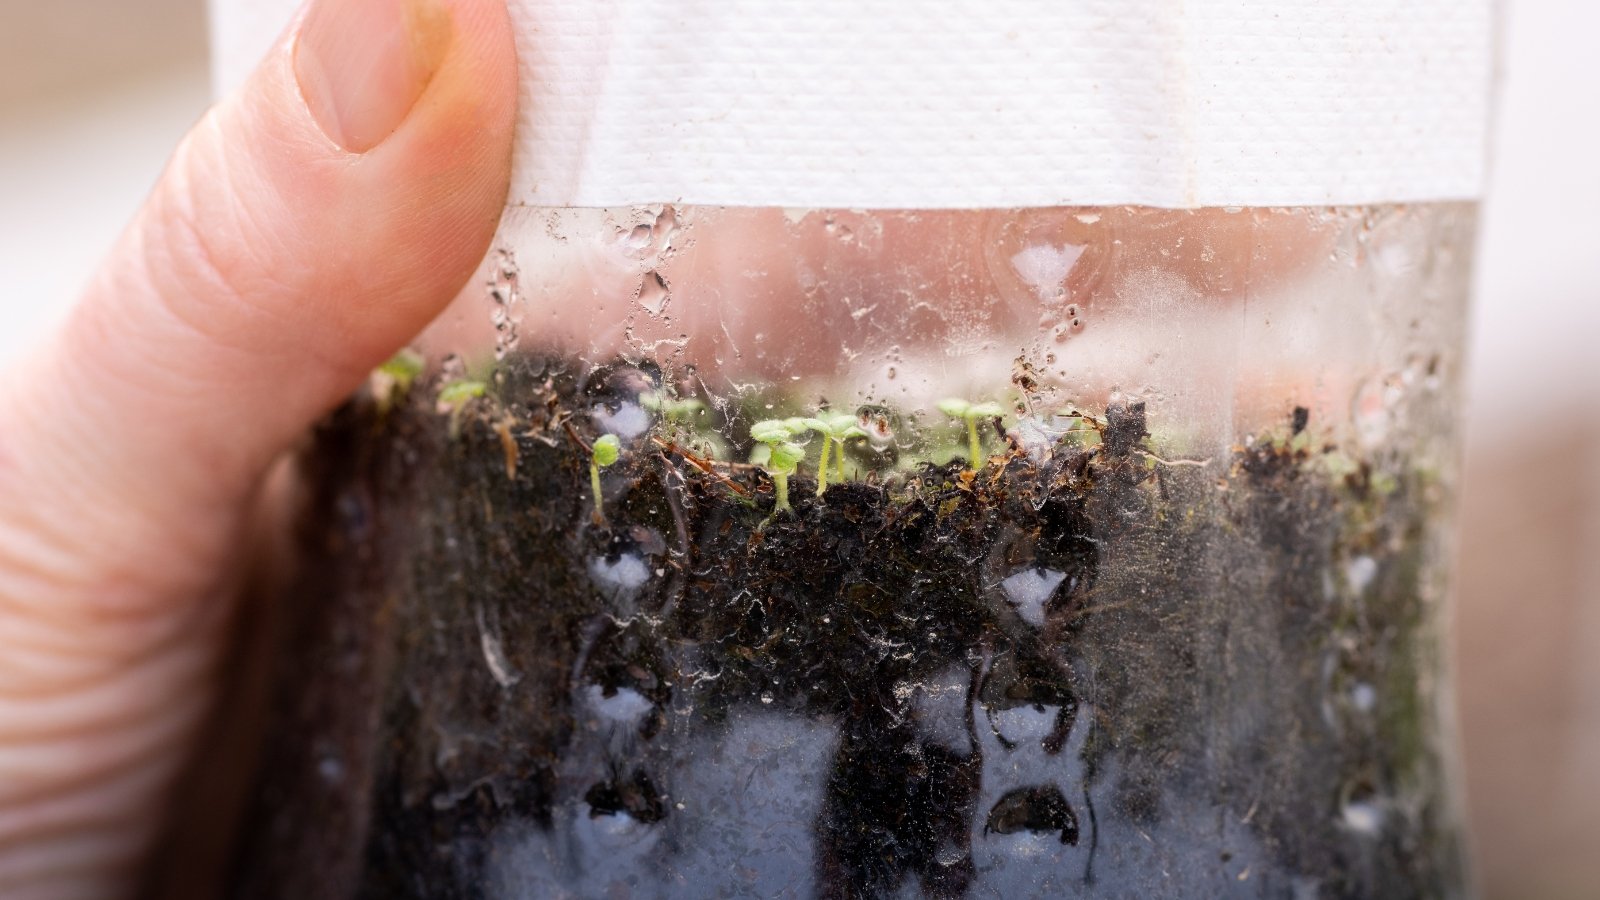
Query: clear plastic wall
757	552
1217	317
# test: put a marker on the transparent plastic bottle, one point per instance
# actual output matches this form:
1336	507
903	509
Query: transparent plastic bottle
704	552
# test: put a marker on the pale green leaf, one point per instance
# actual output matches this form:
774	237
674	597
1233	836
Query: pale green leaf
606	449
458	392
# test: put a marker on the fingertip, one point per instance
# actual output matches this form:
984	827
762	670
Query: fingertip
272	267
373	244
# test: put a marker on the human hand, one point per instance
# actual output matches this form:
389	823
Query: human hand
309	226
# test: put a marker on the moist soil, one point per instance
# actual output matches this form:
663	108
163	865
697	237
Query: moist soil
1086	672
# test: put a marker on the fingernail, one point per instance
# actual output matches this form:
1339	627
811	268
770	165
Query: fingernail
362	64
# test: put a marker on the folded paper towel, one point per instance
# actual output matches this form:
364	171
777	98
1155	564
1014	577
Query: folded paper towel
983	103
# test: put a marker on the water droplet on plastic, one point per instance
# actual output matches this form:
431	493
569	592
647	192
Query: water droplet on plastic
665	227
506	307
1044	267
654	293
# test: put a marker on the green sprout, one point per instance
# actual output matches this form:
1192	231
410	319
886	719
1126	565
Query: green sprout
454	399
687	418
395	377
971	413
835	429
403	367
605	452
672	409
783	455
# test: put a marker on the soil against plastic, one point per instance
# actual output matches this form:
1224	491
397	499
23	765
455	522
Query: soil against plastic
1095	674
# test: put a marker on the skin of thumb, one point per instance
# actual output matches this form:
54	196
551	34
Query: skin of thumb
287	266
270	269
268	272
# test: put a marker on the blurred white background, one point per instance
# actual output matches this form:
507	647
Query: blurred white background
94	93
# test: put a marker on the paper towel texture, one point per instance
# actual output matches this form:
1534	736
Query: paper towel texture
983	103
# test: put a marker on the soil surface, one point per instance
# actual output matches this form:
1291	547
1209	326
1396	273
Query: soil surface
1084	672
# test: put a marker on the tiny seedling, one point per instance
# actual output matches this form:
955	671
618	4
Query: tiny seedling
403	367
454	399
783	455
971	413
687	418
605	452
395	377
673	409
835	429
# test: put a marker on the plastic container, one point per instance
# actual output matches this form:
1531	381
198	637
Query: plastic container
716	552
977	450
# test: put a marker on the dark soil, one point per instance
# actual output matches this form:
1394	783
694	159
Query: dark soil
1094	674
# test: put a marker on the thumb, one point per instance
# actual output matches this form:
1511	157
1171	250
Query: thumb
309	225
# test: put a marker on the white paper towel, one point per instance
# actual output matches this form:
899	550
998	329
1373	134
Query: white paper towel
983	103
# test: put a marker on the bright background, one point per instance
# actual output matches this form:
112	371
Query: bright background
93	94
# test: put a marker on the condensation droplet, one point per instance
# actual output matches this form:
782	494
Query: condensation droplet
506	308
1044	267
654	293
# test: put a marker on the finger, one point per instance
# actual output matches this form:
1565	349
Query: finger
309	225
306	228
